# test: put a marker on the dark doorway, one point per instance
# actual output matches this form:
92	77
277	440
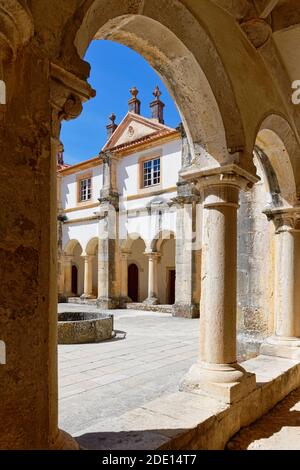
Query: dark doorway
171	286
133	282
74	279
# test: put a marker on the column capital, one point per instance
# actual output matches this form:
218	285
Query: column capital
221	186
87	257
187	193
152	254
284	219
125	254
230	174
68	92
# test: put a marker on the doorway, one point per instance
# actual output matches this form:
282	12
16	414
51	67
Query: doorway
133	282
74	280
171	286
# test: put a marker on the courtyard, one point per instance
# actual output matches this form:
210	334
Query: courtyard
103	386
100	382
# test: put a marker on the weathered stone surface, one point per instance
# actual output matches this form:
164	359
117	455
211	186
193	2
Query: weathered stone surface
217	92
84	327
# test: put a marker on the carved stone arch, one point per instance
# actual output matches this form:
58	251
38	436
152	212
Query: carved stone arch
278	141
157	241
91	246
70	246
192	70
130	239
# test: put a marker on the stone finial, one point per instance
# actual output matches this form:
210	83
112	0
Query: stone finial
134	104
157	106
112	126
157	93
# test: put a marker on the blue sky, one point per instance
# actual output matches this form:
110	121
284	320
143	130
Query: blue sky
114	70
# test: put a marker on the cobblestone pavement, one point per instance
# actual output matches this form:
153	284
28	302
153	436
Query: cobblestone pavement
98	382
277	430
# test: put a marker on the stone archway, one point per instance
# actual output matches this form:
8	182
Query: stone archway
205	99
279	143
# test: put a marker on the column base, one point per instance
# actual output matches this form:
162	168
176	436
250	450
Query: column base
64	441
87	296
227	383
185	310
108	303
151	301
286	347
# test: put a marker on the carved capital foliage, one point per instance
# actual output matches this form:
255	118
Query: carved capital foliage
284	220
16	27
68	92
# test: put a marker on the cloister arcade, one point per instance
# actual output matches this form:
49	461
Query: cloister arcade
229	69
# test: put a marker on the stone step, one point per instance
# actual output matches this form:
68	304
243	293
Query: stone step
151	308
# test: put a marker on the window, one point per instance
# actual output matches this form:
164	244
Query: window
151	172
85	189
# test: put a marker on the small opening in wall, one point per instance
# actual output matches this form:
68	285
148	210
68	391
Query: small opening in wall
2	92
2	353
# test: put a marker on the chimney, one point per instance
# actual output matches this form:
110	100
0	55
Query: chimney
134	105
112	126
157	106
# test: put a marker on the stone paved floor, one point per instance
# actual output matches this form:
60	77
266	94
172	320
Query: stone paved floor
98	382
277	430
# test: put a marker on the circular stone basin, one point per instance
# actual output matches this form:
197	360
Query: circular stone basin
84	327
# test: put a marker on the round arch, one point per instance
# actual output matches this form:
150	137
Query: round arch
195	76
91	246
131	238
70	246
157	241
278	143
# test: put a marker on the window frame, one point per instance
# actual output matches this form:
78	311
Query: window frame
153	186
80	178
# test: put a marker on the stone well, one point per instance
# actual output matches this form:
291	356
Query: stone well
84	327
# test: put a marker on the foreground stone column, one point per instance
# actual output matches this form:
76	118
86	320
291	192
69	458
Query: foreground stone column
88	277
124	279
28	250
286	341
217	372
186	301
152	298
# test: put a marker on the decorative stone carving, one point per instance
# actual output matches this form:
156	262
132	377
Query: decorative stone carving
257	30
68	92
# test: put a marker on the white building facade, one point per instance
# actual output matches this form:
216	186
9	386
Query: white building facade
127	223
